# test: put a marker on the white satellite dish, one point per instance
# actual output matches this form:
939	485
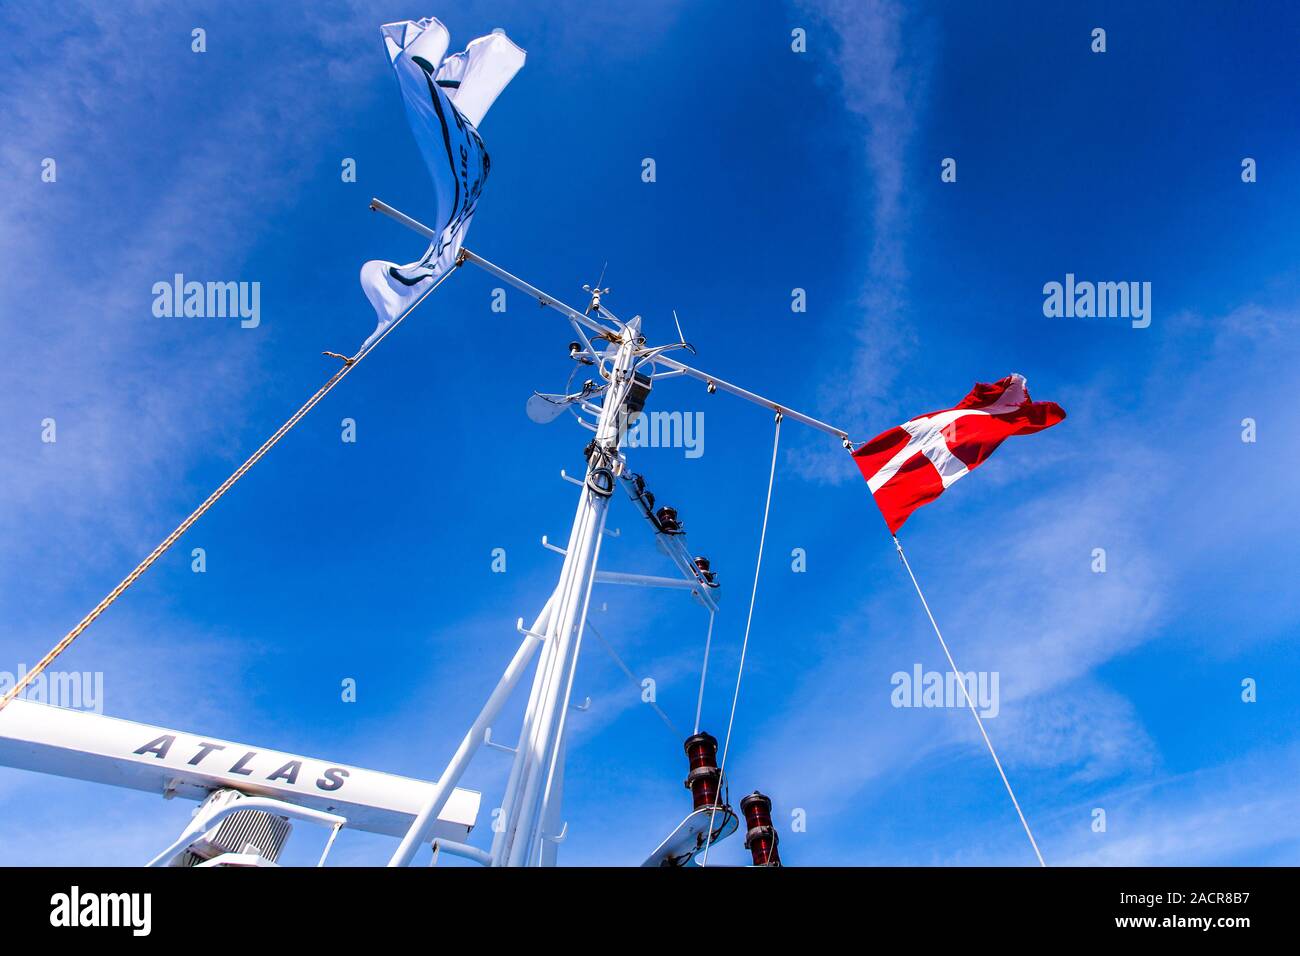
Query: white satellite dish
545	409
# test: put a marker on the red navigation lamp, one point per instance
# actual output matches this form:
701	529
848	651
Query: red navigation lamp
760	835
707	574
703	780
668	521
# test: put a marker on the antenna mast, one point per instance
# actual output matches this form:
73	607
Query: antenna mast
531	824
531	819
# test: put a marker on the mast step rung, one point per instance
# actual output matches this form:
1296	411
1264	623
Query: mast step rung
527	632
489	742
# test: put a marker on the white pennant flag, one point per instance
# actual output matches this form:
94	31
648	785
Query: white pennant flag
445	101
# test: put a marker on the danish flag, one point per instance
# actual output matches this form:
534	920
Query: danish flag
913	464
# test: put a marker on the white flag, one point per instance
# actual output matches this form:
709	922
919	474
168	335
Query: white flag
445	101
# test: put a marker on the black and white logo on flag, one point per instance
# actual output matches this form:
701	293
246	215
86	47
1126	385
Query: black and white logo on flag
445	101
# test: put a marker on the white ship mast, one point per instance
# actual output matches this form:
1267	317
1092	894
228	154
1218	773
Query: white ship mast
531	819
250	795
240	804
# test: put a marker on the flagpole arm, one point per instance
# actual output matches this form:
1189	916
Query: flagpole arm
573	315
749	396
414	225
549	301
578	319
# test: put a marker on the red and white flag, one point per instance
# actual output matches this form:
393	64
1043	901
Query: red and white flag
912	464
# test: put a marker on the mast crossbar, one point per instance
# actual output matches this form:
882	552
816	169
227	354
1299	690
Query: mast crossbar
575	317
581	321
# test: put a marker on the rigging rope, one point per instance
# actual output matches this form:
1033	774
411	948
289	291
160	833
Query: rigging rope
966	693
198	512
744	645
699	702
677	734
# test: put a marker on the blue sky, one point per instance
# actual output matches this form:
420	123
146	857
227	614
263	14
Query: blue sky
775	170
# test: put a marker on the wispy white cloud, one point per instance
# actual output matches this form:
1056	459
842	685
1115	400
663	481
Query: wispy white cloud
143	134
135	399
1043	644
1238	813
878	60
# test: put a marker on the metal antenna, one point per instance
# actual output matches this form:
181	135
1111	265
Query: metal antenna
681	337
597	292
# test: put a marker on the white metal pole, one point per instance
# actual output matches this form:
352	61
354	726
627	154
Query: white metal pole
538	744
552	820
504	824
550	796
533	292
508	818
646	580
749	396
534	788
422	827
579	319
573	315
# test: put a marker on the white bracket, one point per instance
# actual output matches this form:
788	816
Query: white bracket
463	850
519	626
551	547
205	820
647	581
489	742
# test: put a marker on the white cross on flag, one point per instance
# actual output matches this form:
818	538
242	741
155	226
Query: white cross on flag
913	464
